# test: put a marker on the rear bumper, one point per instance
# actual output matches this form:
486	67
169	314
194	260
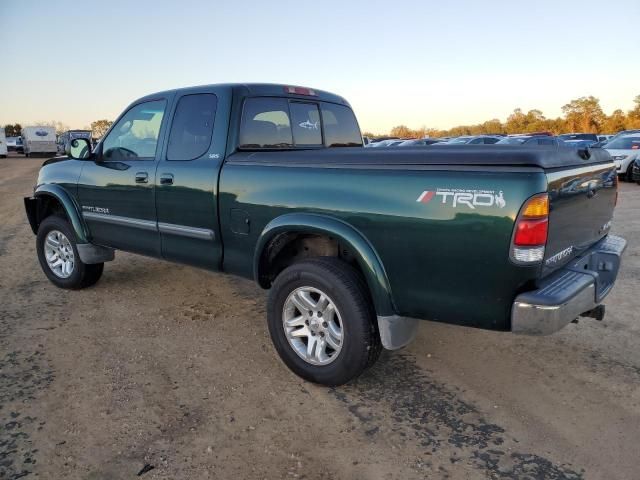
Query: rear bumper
566	294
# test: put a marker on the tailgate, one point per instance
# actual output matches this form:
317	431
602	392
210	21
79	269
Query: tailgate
582	200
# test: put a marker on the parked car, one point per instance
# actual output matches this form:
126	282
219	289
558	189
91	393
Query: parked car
354	246
578	136
635	171
64	139
581	143
3	144
14	144
40	141
530	140
624	149
418	142
472	140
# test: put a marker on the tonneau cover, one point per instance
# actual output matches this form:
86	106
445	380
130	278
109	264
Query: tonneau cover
486	155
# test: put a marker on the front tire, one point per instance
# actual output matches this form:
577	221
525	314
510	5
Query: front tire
56	244
322	321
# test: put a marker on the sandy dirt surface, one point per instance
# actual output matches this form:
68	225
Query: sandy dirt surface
172	367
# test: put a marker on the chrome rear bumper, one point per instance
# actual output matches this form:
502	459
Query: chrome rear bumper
570	292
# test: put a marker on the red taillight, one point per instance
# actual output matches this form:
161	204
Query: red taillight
300	91
531	230
531	233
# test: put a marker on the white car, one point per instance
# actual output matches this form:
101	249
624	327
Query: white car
624	150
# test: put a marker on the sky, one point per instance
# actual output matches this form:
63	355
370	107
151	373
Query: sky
417	63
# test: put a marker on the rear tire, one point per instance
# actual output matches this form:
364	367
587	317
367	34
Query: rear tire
56	246
629	174
331	287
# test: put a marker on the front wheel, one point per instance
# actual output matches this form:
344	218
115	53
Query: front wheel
322	321
59	258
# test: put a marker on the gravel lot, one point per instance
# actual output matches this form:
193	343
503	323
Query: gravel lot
172	367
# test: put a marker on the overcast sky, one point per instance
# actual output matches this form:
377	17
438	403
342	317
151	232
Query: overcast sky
437	64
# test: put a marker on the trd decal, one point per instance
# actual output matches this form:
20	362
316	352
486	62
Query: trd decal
470	198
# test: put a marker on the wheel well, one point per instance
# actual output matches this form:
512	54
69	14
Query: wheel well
49	205
288	248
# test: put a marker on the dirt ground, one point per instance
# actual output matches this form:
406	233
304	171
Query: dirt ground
172	367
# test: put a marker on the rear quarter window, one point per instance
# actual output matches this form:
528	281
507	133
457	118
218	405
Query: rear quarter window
340	126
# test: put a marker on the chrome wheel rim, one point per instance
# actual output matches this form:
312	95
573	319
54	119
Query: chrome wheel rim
313	325
59	254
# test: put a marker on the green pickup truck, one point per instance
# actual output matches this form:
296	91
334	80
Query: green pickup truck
272	183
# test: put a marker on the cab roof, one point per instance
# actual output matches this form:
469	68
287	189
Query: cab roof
258	89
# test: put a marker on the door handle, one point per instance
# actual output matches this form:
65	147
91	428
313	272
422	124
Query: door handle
166	179
142	177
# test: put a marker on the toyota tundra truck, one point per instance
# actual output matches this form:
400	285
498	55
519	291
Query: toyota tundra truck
272	183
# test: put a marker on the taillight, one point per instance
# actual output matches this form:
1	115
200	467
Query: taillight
531	230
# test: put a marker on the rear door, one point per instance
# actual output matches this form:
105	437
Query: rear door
187	177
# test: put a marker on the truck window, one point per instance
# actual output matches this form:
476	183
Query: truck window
192	127
305	118
340	126
135	136
265	124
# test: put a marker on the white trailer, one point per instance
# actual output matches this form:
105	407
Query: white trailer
39	141
3	144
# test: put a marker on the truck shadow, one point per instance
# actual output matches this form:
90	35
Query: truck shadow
429	416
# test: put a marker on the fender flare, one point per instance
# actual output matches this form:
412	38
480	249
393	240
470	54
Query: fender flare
363	251
70	207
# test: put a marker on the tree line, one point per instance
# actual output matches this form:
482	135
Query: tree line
98	128
584	115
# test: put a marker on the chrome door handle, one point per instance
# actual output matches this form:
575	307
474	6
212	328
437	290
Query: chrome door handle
142	177
166	179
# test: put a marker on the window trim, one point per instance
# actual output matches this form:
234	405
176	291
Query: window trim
170	126
115	123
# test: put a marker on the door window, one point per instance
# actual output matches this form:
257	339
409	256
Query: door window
305	120
135	136
192	127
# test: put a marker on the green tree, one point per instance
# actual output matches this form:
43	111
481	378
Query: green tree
615	122
100	127
14	130
584	114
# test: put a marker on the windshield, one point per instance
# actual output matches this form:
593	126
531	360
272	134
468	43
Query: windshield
625	143
459	140
512	141
579	136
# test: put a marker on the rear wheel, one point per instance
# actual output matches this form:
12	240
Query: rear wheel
59	258
629	174
322	321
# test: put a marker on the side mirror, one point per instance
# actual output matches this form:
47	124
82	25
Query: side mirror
79	149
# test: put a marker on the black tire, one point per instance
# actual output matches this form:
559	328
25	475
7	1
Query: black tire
83	275
629	174
361	344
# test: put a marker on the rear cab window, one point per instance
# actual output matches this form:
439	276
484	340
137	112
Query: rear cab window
282	123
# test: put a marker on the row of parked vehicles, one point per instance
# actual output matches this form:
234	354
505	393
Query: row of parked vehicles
39	141
623	147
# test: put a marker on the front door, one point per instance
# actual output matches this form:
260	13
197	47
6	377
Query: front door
187	178
116	191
